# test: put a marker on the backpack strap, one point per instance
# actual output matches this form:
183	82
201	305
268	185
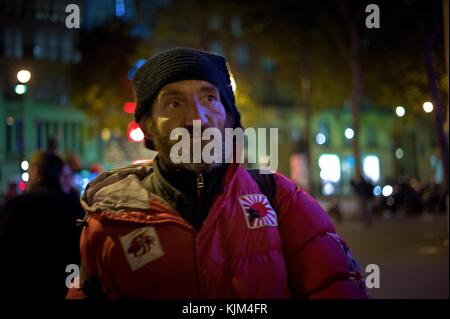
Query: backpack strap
266	183
91	286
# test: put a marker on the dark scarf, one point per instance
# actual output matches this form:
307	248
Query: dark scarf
180	189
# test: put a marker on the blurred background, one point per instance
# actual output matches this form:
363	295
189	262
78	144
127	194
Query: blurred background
362	112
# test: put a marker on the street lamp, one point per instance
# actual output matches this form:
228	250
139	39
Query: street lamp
349	133
321	138
23	76
428	107
25	177
399	153
387	190
24	165
400	111
20	89
106	134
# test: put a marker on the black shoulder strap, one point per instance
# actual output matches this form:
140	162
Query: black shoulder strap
266	183
91	286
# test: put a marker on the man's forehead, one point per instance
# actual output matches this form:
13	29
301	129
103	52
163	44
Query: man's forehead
184	85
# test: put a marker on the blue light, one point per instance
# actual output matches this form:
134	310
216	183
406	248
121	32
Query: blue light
135	67
377	190
120	8
82	178
84	182
139	63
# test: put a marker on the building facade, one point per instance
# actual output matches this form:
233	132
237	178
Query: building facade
385	154
36	113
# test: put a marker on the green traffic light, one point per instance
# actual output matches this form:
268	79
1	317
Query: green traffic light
20	89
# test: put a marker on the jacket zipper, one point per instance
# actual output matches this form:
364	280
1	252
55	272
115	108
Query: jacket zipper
200	186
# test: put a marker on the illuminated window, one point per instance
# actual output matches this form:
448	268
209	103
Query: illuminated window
120	8
330	168
328	189
371	167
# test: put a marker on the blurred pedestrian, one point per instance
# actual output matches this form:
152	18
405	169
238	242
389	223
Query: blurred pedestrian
409	200
364	192
334	209
11	192
68	187
433	198
38	234
74	162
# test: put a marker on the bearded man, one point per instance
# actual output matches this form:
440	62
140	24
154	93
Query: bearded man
170	229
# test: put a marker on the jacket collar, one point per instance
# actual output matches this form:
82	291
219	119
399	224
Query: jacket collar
121	194
182	192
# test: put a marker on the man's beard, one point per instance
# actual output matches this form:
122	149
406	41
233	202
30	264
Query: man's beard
164	144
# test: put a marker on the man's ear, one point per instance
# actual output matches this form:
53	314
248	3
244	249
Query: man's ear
147	133
146	126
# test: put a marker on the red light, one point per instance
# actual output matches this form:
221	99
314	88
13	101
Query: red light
135	133
129	107
22	186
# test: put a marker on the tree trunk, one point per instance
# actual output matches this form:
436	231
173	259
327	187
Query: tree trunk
351	51
397	134
438	108
306	89
437	101
357	91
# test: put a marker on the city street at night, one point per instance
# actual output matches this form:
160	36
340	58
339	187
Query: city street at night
412	253
240	151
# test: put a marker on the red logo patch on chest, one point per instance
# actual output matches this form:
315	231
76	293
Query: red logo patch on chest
257	211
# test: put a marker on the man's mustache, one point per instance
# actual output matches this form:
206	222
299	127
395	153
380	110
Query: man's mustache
190	128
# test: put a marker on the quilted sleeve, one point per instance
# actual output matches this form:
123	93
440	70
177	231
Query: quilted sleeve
320	264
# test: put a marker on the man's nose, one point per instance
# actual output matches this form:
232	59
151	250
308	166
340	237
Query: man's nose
197	111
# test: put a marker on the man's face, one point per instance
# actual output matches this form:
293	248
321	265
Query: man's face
66	178
177	105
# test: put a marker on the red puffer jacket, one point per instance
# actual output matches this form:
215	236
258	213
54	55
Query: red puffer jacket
136	246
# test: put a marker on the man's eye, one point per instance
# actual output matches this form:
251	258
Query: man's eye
174	104
211	98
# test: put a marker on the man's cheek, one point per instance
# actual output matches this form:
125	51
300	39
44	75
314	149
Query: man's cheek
164	127
161	121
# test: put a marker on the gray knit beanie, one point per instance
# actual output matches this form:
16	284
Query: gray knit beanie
183	64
